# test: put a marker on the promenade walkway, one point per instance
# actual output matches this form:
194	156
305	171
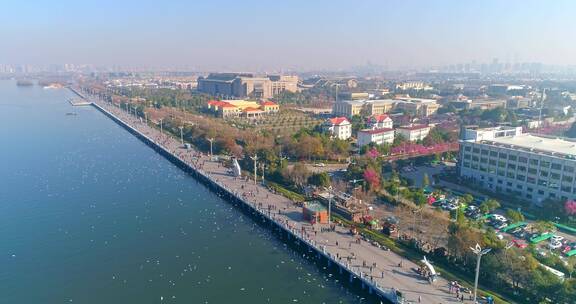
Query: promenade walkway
377	265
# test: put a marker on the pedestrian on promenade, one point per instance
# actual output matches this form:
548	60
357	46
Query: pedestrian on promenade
419	299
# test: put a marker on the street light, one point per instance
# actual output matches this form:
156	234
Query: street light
479	252
210	139
255	158
418	210
161	125
181	135
329	204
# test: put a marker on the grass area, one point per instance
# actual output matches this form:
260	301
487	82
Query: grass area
286	192
283	123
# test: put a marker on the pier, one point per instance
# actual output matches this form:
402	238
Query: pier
383	276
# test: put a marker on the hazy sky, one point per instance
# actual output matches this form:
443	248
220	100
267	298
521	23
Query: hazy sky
250	34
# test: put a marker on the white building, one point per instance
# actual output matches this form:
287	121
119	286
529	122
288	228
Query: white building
490	133
381	121
377	136
338	127
413	132
534	168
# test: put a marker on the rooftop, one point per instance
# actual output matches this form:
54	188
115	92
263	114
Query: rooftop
537	144
338	120
414	127
376	131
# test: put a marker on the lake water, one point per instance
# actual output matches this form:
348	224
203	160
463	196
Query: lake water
89	214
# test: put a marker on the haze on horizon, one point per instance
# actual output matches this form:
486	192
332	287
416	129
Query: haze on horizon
302	35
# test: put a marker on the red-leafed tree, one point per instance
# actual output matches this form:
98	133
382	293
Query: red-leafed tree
372	178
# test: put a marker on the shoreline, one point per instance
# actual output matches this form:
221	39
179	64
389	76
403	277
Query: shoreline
293	231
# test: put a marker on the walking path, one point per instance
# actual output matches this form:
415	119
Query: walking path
379	266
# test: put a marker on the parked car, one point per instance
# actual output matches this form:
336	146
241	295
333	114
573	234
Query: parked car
557	238
521	234
501	225
566	248
520	243
452	207
499	217
554	245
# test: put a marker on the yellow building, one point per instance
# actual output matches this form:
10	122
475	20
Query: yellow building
269	107
347	108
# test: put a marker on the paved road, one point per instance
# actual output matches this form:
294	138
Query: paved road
380	265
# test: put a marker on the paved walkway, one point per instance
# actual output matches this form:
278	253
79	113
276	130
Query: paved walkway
380	265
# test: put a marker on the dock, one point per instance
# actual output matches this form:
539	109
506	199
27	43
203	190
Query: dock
382	276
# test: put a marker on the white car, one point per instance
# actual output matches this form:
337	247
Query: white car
556	239
499	217
501	225
554	245
500	236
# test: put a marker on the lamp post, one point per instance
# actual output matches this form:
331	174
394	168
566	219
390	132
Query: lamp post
479	252
329	204
161	125
146	117
414	212
210	139
255	159
181	135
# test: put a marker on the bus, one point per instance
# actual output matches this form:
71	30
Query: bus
540	238
514	226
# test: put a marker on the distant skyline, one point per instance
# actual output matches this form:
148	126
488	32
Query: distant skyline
291	35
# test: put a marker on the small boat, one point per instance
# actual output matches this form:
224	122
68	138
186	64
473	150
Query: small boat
71	114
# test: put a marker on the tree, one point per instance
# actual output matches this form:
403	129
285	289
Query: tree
543	226
419	197
372	178
489	205
425	180
514	215
319	179
572	131
298	174
467	199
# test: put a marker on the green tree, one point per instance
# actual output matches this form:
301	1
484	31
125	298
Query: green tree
425	180
543	226
514	215
419	197
319	179
489	205
467	199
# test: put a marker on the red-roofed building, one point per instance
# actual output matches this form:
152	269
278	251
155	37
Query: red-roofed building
377	136
338	127
269	107
380	121
413	132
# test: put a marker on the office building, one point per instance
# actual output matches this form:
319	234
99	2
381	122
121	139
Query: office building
531	167
413	132
246	85
377	136
347	108
417	106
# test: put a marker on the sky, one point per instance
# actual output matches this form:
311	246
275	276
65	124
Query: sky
252	35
